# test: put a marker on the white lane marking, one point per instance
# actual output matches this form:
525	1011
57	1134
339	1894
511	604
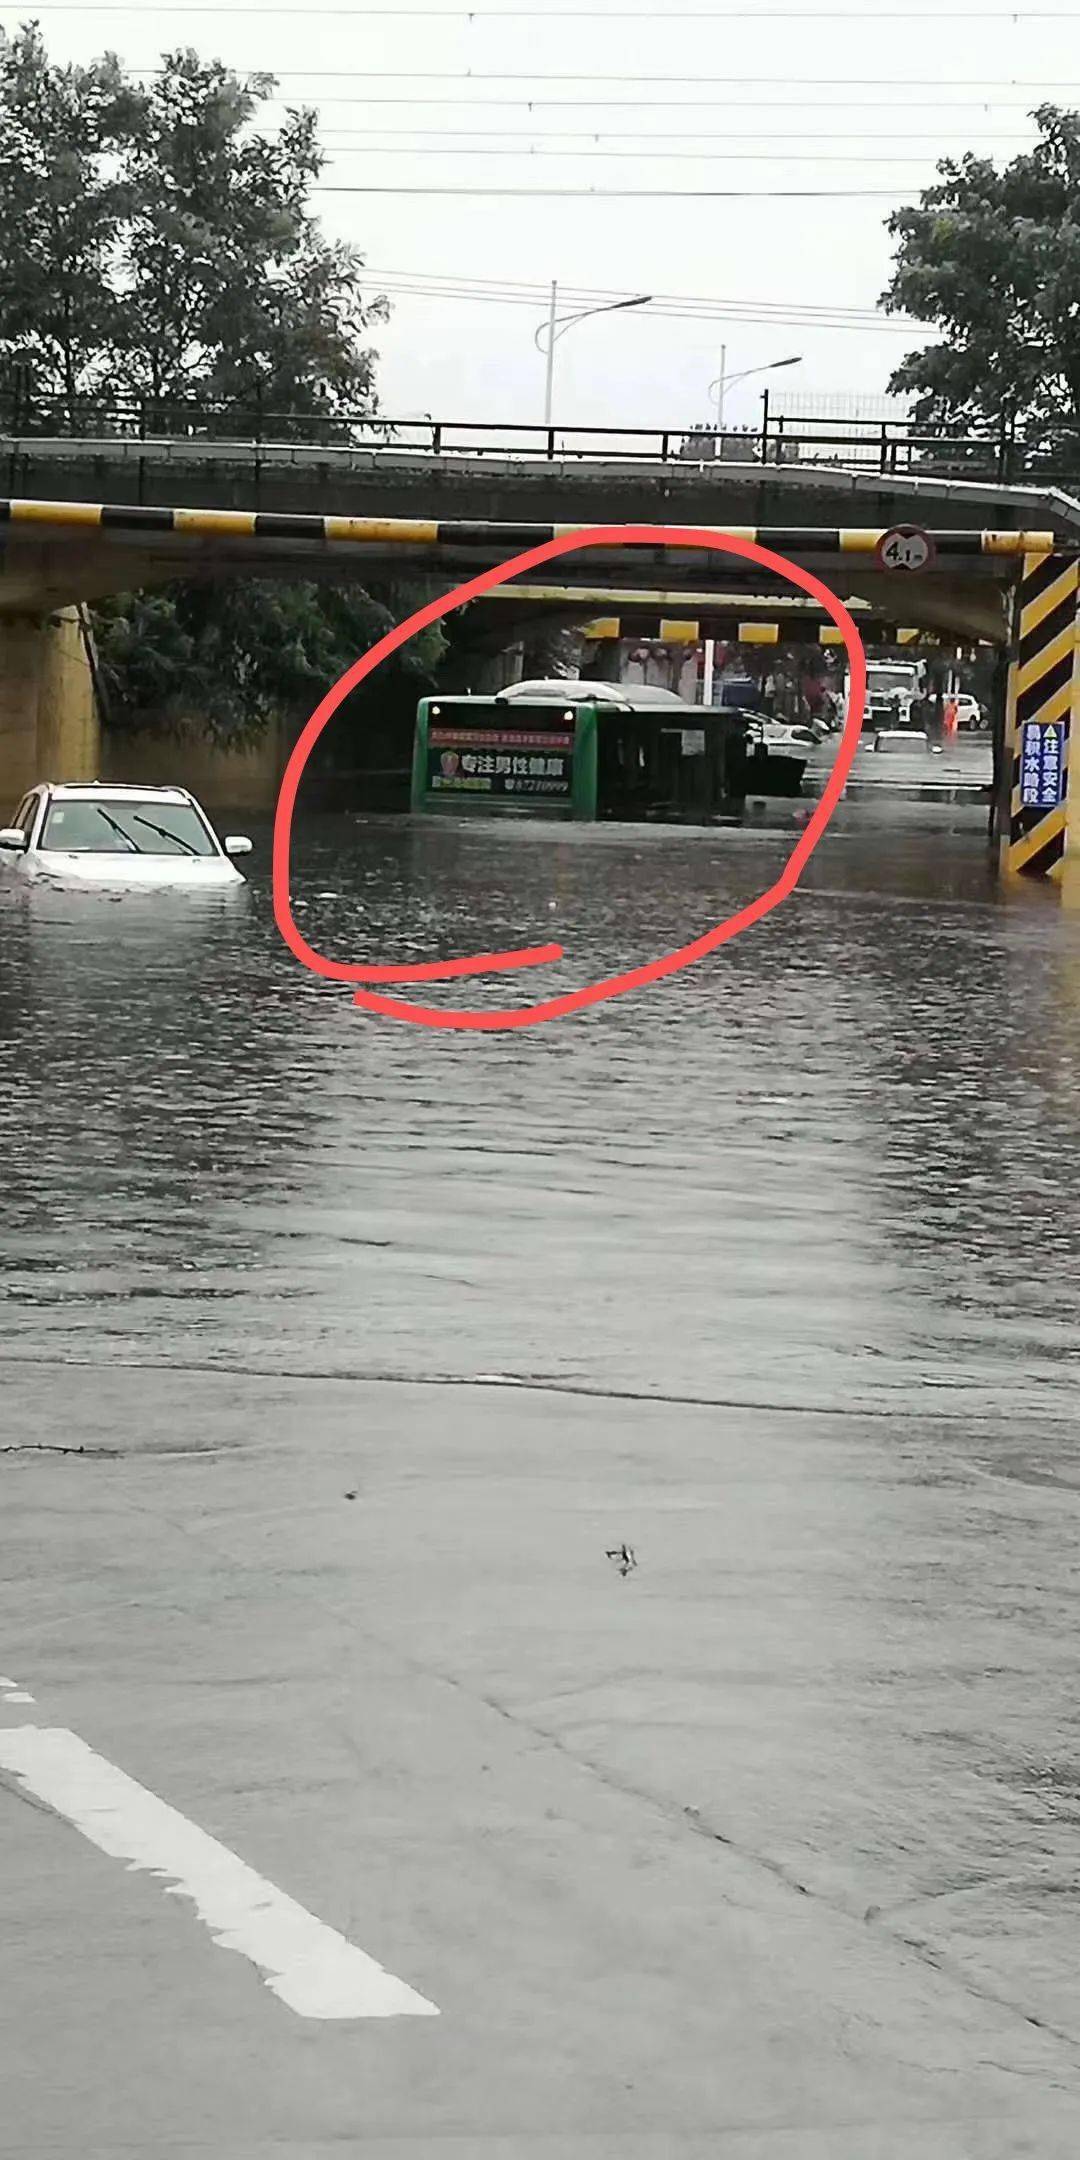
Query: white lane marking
307	1964
17	1695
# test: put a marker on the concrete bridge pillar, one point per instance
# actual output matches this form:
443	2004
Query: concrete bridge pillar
49	726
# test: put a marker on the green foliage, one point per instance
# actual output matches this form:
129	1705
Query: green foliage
237	656
64	196
155	245
992	259
157	256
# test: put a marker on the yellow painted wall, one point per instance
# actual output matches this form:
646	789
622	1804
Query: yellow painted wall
48	723
49	729
21	641
69	735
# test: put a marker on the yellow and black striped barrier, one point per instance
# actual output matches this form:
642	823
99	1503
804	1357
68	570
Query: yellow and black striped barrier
1042	698
659	629
136	518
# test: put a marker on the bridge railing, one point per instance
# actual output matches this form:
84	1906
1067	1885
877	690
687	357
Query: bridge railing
896	449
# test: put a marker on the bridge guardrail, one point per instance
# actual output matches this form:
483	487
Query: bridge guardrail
895	449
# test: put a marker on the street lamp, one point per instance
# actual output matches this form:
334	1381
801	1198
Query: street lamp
725	382
548	334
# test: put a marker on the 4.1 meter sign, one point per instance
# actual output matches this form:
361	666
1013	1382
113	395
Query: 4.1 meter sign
1042	765
906	547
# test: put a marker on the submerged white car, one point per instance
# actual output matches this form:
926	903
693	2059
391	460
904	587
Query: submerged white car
93	834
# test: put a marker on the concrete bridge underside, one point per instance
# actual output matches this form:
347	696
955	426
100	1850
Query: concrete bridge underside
47	720
55	555
966	596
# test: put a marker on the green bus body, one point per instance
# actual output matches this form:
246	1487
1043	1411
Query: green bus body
475	757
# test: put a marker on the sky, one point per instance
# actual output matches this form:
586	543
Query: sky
772	140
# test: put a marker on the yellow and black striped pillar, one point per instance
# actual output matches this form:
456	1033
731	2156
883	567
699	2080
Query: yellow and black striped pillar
1043	721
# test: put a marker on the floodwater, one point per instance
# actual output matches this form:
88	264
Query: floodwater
825	1181
835	1164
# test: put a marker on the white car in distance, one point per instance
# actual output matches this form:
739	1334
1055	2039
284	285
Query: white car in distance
91	834
969	713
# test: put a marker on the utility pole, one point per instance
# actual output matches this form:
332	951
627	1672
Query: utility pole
721	396
550	383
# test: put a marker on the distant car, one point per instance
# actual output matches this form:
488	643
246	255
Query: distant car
969	712
901	739
777	754
93	835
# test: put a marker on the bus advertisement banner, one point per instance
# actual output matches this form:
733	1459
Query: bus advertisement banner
501	760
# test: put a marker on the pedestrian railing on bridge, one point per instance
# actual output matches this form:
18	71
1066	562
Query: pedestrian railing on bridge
896	449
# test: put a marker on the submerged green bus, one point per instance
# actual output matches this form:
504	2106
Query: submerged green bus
481	754
578	750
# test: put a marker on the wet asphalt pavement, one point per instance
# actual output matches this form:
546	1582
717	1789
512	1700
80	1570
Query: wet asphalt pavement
766	1848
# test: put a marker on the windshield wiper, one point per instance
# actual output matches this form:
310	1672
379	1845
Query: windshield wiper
133	844
164	832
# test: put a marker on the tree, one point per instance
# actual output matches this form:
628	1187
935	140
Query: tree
235	299
992	259
157	255
64	196
155	240
237	656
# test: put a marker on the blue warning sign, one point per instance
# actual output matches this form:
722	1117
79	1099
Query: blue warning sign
1042	765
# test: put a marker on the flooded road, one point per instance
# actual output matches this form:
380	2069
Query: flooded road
382	1343
832	1165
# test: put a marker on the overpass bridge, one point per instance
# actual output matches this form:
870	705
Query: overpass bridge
363	466
1013	584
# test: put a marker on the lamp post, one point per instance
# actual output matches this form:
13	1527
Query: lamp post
719	389
548	333
725	382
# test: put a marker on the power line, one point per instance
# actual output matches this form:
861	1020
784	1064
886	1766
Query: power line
484	106
404	284
533	291
652	105
704	157
529	14
439	136
778	82
838	84
505	103
781	318
637	194
835	83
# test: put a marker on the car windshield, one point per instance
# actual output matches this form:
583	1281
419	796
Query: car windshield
886	681
117	825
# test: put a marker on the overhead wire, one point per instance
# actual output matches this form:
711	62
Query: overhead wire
719	16
584	295
622	194
668	307
792	318
438	136
835	83
638	155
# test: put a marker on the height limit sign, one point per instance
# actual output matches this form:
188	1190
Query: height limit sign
905	547
1042	765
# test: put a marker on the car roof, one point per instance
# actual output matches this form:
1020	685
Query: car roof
87	790
578	689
